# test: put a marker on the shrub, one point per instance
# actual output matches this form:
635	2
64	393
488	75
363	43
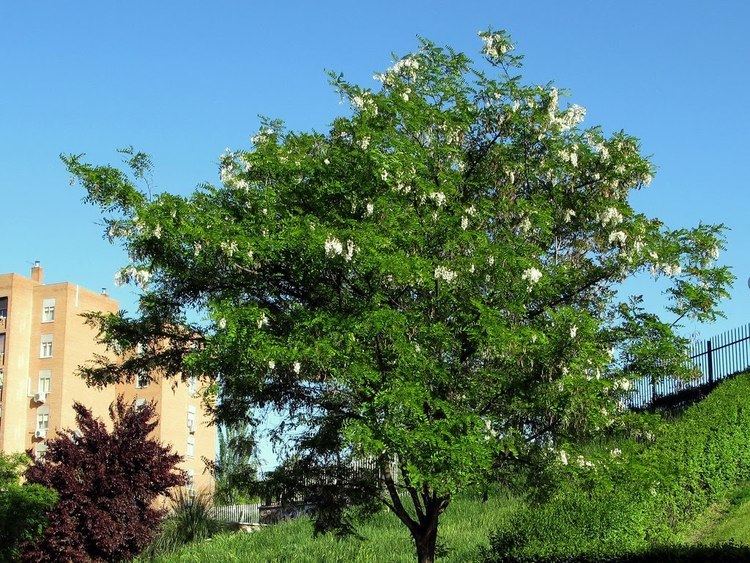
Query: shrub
624	506
107	484
23	507
190	521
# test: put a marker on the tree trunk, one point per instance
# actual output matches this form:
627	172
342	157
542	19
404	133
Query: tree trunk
425	539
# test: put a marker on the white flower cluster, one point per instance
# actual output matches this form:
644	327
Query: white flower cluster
229	248
532	276
611	215
438	198
261	136
369	208
407	67
617	237
568	215
623	383
334	247
139	275
563	457
443	273
583	462
495	45
573	331
365	102
262	321
570	156
571	117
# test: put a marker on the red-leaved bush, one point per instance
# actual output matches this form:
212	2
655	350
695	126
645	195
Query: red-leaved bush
107	483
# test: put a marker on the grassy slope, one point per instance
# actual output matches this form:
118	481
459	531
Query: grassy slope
464	529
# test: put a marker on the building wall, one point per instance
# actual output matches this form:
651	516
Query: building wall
74	344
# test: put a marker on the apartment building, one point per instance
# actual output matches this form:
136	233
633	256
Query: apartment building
43	340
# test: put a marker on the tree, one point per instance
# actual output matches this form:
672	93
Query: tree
236	464
431	284
107	484
23	507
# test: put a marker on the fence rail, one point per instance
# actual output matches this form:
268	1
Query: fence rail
238	513
715	359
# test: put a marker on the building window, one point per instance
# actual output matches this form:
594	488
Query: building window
190	446
42	421
40	451
191	481
48	310
46	348
142	380
140	403
191	419
45	381
192	385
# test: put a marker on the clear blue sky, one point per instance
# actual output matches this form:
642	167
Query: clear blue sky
184	80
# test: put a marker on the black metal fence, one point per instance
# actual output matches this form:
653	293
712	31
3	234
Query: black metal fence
715	359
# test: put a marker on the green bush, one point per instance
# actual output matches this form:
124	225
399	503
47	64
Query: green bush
23	507
190	521
626	505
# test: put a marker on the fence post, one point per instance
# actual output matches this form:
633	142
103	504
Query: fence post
710	363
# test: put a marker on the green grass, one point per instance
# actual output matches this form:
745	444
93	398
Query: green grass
464	530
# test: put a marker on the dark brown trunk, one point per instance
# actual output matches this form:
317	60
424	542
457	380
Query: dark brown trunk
426	540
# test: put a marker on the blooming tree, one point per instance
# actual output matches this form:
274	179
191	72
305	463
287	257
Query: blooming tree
431	284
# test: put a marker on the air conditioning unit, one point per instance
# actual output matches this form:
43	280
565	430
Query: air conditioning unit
40	433
40	397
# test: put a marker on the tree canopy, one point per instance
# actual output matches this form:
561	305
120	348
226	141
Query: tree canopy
432	283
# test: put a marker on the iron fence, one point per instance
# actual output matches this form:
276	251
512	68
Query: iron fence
715	359
238	513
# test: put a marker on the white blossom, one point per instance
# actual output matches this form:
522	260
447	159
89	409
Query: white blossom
531	275
617	452
222	323
441	272
491	260
563	457
623	383
495	45
568	215
464	222
573	331
438	198
271	364
229	248
351	248
618	237
297	367
612	216
369	209
333	246
326	161
525	225
262	321
364	143
197	248
671	270
471	211
157	231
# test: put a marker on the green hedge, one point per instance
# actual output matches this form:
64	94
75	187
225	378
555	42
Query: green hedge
627	505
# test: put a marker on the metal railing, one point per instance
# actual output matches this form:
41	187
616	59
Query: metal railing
237	513
715	359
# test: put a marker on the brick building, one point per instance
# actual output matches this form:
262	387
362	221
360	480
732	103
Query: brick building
43	340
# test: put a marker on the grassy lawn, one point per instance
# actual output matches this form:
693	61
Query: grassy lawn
731	520
464	529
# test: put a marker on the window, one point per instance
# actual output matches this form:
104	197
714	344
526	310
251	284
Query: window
140	403
46	348
191	481
191	419
40	451
42	420
45	381
190	446
48	310
192	384
142	380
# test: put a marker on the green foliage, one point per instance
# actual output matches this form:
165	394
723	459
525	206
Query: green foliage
431	281
236	465
190	521
23	507
648	493
464	530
